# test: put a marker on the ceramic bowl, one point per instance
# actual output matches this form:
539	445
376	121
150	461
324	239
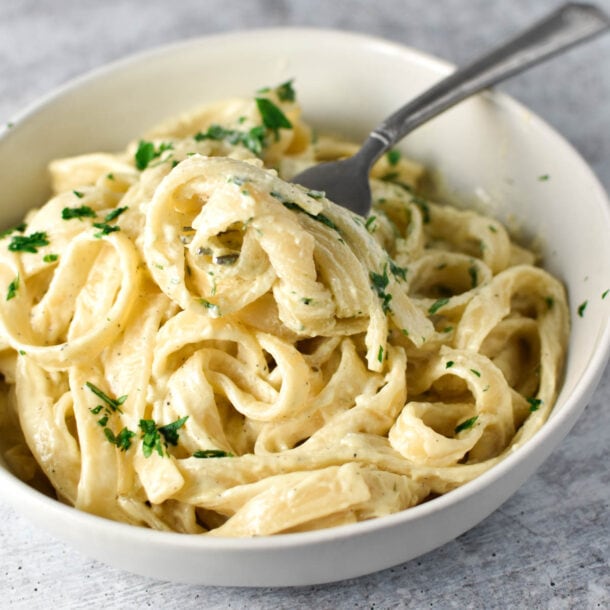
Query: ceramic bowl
490	152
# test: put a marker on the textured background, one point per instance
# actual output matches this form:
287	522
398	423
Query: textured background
548	546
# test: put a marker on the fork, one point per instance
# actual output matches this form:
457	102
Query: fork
346	182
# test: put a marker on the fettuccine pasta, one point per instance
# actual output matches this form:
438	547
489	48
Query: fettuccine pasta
192	343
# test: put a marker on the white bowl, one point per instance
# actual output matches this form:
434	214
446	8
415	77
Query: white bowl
491	152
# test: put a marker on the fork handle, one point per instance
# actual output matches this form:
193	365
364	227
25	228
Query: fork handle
567	26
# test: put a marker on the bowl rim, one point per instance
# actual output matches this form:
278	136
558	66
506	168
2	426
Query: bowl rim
561	419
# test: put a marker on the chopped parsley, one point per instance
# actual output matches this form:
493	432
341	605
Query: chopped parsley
28	243
582	307
211	307
156	438
474	276
438	304
393	156
253	139
122	440
475	372
79	194
83	211
147	152
550	301
605	293
544	178
390	177
50	258
380	354
113	403
316	194
534	403
466	425
449	364
286	92
170	431
12	289
273	118
307	300
400	273
114	213
369	225
104	229
211	453
424	207
291	205
151	439
380	282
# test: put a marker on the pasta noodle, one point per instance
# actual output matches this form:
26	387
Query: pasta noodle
192	343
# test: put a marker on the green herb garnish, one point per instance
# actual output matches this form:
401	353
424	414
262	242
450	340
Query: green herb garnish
534	403
286	92
474	276
122	440
465	425
211	307
438	304
83	211
147	152
115	213
273	118
211	453
28	243
322	218
155	437
50	258
393	156
424	207
316	194
380	354
113	403
582	307
398	272
253	139
151	439
380	282
12	289
104	229
369	224
170	431
449	364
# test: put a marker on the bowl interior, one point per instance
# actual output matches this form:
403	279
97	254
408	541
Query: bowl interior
489	152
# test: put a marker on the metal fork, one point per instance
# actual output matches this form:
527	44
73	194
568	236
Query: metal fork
346	182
